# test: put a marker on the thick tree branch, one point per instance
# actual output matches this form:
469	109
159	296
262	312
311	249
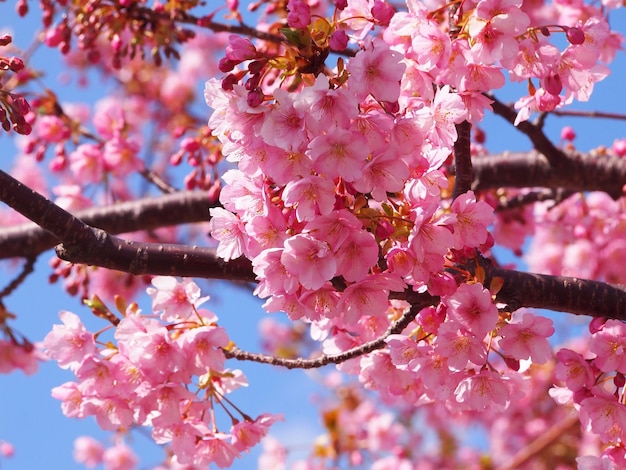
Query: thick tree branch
462	160
132	257
558	293
577	172
30	239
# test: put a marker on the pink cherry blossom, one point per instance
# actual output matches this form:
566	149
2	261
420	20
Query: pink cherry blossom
274	277
176	300
574	370
119	457
283	126
247	434
471	306
339	153
88	451
376	70
310	260
483	391
459	346
87	163
311	196
369	296
493	27
528	338
120	156
69	343
383	173
472	219
325	107
604	416
356	255
229	230
609	344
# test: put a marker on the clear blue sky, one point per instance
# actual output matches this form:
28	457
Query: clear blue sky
32	420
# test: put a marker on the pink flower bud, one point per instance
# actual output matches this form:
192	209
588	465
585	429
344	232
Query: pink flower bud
596	324
5	40
619	147
16	64
255	98
229	81
339	40
567	133
382	12
240	49
575	36
299	14
53	37
552	84
226	65
341	4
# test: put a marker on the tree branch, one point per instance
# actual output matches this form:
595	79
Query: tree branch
462	160
30	239
111	252
574	172
85	244
534	132
301	363
558	293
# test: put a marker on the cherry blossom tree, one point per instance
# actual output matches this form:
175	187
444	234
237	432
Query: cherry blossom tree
341	172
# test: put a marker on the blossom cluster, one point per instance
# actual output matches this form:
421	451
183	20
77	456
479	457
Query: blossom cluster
165	370
593	383
341	195
583	236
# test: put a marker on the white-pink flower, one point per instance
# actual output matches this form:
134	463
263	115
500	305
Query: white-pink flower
376	70
175	300
339	152
471	306
229	230
483	391
472	219
69	343
88	451
311	196
528	338
310	260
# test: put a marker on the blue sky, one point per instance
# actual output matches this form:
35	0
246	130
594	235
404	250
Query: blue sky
32	420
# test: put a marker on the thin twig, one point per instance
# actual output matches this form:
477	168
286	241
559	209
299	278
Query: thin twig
27	269
588	114
301	363
533	131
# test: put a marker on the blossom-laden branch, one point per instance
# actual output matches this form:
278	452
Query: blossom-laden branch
82	243
423	300
520	170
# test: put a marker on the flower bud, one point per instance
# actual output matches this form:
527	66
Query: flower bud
382	12
255	97
575	36
339	40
